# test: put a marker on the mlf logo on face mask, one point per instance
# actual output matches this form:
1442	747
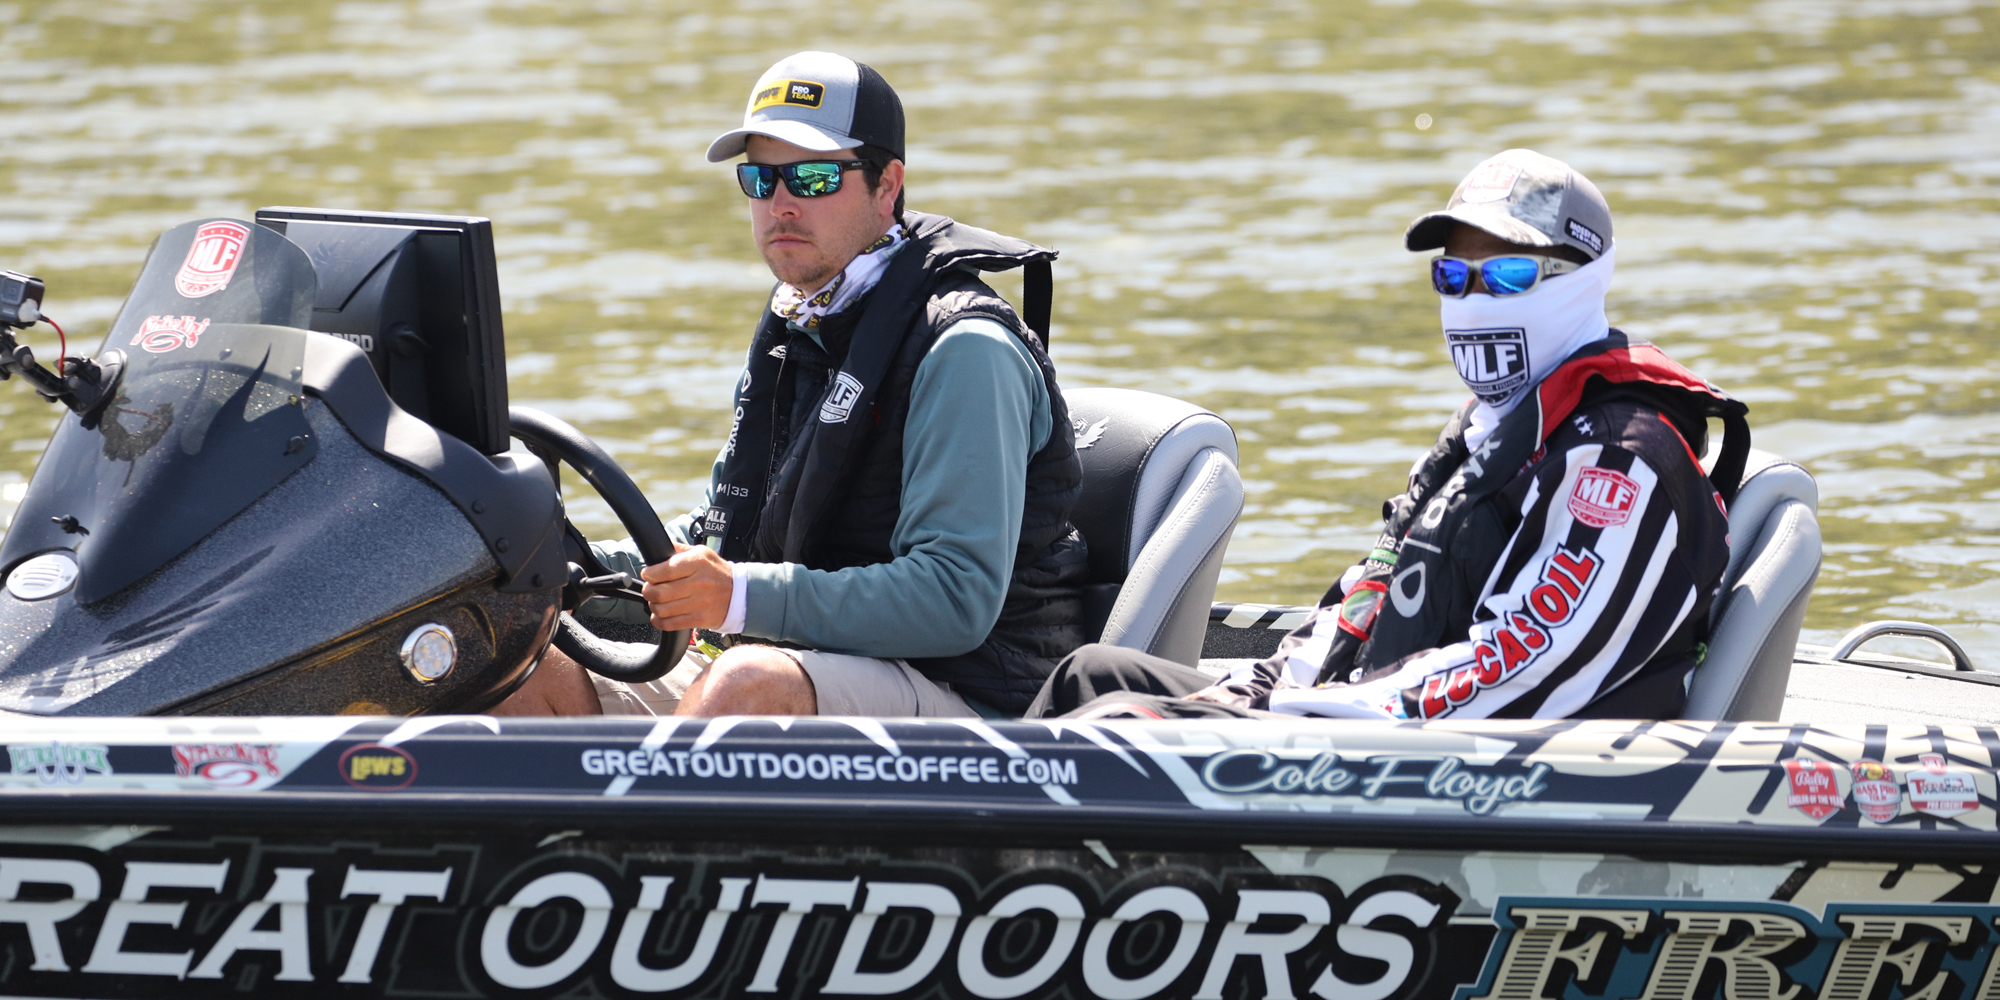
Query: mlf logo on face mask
1492	363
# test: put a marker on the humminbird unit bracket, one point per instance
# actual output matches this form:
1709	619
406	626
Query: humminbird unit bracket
79	383
419	295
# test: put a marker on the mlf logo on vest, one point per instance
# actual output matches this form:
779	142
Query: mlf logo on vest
840	399
1493	363
211	261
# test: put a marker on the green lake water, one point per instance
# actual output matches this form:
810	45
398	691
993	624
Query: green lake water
1804	194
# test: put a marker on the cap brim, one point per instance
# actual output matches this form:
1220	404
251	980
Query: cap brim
1431	231
798	133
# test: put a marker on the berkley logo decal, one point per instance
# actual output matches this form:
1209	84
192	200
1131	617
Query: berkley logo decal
840	399
379	768
1876	792
1492	363
60	763
1814	790
1942	792
160	334
226	765
211	261
1521	637
798	93
1603	498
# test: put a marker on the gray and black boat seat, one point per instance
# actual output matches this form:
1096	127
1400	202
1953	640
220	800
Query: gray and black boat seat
1160	497
1774	557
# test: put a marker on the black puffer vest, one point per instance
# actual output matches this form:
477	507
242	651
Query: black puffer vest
814	470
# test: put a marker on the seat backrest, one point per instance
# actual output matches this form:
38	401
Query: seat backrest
1774	556
1160	497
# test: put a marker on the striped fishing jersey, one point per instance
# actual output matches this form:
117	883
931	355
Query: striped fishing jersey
1584	591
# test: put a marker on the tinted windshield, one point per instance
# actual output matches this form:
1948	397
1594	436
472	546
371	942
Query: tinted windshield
207	416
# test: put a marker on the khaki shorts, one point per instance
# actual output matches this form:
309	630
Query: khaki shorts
843	685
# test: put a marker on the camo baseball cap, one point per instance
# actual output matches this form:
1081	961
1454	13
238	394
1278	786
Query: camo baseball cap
1522	197
820	101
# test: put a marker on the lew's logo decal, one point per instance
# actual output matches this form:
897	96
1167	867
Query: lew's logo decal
160	334
1493	363
797	93
211	261
840	399
227	765
379	768
1603	498
1521	636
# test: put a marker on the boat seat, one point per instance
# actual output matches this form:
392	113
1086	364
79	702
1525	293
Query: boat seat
1774	557
1160	497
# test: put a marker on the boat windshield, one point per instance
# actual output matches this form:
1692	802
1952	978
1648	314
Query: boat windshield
207	415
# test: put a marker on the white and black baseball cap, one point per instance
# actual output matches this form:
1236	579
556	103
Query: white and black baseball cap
820	101
1522	197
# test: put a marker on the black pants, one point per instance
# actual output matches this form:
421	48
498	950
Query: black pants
1100	681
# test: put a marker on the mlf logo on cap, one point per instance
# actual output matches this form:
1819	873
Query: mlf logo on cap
1492	181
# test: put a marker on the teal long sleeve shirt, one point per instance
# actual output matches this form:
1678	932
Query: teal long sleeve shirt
978	409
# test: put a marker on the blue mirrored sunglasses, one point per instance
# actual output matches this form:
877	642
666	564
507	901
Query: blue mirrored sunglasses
1507	275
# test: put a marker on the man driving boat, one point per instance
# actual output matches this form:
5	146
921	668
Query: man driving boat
890	512
1557	551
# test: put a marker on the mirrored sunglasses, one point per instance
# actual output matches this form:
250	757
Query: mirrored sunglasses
1511	274
811	179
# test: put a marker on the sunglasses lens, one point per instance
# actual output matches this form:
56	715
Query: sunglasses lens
810	180
1510	275
756	180
1449	277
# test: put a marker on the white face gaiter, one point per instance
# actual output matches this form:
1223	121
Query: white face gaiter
1504	345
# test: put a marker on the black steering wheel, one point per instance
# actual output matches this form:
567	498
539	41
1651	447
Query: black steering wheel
631	662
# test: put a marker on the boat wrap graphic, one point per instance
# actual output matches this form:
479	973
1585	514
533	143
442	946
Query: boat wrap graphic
473	856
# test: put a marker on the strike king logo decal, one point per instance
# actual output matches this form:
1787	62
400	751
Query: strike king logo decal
60	763
160	334
212	260
1493	363
227	765
1687	949
1521	637
1603	498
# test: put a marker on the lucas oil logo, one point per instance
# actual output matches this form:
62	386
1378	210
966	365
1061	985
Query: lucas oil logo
798	93
1521	637
1493	363
1603	498
840	399
160	334
211	261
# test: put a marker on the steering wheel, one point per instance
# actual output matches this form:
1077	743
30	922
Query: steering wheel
631	662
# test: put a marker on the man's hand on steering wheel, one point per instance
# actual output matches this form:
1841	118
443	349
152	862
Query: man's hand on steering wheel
689	590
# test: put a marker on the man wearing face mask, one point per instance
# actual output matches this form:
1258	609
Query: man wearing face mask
1557	551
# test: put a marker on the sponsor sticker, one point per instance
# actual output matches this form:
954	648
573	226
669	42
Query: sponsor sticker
1937	790
840	399
1492	181
1087	435
1584	234
797	93
160	334
211	261
60	763
1876	792
1493	363
715	523
1814	790
1603	498
378	768
643	763
227	765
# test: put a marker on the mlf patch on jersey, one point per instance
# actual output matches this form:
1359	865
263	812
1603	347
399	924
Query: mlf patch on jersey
1603	498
